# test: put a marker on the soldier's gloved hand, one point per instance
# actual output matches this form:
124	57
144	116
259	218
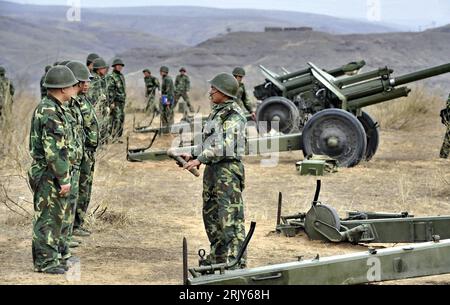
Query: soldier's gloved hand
65	190
191	164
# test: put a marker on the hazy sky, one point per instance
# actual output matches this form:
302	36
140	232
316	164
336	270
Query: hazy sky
413	12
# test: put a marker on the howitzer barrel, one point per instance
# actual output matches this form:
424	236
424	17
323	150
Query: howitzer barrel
364	76
378	98
422	74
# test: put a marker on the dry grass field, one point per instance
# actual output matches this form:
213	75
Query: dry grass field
150	207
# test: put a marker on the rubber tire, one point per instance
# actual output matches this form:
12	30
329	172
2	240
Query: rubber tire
350	122
294	113
372	133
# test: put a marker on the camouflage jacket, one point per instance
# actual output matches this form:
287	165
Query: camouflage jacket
116	87
151	84
50	140
75	118
98	94
242	99
182	83
90	122
445	114
223	134
43	89
167	87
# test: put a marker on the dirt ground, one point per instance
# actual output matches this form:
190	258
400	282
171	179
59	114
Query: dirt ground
152	206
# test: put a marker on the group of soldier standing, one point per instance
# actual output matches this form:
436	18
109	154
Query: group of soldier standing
83	107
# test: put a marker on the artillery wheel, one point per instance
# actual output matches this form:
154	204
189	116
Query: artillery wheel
373	136
277	108
337	134
325	214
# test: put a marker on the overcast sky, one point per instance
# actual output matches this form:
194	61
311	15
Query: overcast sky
413	12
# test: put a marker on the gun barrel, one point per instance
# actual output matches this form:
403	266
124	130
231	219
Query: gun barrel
422	74
378	98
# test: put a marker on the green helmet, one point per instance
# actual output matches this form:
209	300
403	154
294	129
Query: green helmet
47	68
91	57
55	63
225	83
117	61
80	71
59	77
100	63
146	70
2	70
182	69
238	71
64	62
164	69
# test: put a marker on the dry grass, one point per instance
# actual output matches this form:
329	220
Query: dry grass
409	112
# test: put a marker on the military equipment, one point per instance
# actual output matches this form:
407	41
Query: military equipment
301	102
64	62
225	83
59	77
374	265
100	63
117	61
164	69
80	71
322	222
47	68
317	165
172	153
238	71
91	57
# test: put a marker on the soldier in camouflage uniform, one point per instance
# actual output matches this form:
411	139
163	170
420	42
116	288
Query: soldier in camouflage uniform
241	97
75	115
167	99
50	174
223	178
43	89
117	96
98	95
6	92
445	116
151	85
182	87
90	61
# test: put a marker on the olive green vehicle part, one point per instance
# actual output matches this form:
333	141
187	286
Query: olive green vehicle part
309	100
402	262
322	222
317	165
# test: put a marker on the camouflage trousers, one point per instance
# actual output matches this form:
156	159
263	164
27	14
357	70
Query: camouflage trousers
117	120
445	149
186	98
85	187
152	106
223	209
50	210
167	117
69	215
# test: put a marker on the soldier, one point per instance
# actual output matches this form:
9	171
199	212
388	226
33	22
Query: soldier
43	89
151	85
50	172
75	116
167	99
445	116
98	95
241	97
223	178
182	87
117	96
6	92
90	61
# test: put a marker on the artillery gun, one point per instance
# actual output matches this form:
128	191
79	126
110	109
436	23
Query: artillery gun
307	101
324	119
322	222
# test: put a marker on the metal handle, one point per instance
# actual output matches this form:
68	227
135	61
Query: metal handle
265	278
